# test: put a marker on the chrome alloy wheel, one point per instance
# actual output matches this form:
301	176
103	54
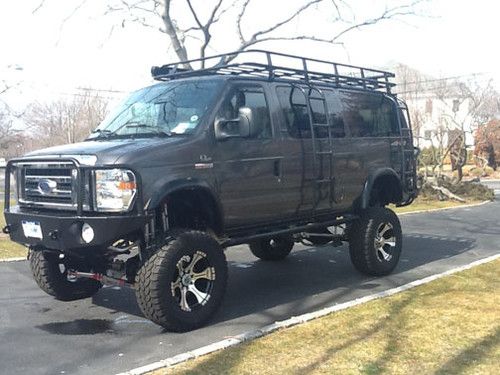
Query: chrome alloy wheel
385	242
193	281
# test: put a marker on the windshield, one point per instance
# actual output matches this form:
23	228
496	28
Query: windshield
163	109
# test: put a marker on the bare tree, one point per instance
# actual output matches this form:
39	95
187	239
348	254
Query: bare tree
487	140
66	121
194	20
461	107
412	86
9	135
469	105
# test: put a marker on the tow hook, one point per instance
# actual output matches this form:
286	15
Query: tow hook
106	280
6	229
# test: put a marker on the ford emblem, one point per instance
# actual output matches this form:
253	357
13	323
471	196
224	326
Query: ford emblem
46	186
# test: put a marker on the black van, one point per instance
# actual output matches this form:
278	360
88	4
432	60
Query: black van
260	148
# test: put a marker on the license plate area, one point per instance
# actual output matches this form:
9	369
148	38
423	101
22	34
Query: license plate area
32	229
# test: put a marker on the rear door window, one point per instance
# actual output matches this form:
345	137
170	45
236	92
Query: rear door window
369	114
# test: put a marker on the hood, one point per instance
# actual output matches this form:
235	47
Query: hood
106	151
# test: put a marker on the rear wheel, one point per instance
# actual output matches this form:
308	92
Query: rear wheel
276	248
181	286
375	242
50	273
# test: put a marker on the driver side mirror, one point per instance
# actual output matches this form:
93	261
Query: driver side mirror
235	128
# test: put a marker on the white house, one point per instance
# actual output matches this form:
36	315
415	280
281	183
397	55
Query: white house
435	117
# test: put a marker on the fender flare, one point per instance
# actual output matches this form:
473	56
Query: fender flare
189	183
370	181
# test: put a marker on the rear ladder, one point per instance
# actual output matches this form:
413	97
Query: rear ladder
408	156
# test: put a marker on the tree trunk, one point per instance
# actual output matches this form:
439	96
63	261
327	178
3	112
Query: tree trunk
460	173
179	48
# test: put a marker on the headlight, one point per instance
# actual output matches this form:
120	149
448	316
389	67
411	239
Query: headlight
114	189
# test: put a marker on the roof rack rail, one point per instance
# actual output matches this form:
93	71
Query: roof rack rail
276	66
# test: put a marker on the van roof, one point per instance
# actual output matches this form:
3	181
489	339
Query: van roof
274	66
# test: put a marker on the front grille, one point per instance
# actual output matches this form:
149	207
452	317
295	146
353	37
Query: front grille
48	184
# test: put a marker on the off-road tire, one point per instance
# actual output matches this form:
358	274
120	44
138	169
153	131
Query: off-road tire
157	276
273	249
49	277
365	255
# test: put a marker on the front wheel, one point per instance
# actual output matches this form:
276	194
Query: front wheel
181	286
51	275
375	241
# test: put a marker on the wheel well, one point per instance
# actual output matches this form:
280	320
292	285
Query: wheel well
386	189
192	208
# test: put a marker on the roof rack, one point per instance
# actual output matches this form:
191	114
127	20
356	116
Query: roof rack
279	66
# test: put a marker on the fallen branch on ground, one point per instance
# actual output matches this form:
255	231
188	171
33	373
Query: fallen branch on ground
447	193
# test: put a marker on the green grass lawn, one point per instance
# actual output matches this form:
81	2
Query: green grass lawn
449	326
9	249
426	204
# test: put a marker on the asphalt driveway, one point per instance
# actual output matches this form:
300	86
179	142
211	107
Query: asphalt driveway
108	334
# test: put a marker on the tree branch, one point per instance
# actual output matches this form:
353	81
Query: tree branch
402	10
286	20
171	31
195	16
40	5
73	12
239	20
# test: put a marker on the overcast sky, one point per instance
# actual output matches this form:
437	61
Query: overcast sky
456	38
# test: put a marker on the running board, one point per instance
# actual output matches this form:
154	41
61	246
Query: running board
303	228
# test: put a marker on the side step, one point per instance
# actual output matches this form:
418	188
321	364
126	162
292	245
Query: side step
290	230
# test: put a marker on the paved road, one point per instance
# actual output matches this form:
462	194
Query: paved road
493	184
107	334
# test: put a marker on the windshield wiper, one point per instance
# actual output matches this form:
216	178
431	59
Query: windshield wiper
157	131
104	133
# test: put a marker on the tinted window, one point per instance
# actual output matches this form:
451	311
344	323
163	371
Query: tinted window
335	114
369	115
404	120
294	109
319	114
293	105
252	97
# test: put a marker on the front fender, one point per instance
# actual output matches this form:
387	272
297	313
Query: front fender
169	187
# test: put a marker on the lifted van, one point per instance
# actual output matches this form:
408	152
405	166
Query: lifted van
260	148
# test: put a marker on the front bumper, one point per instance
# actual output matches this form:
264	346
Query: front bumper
63	232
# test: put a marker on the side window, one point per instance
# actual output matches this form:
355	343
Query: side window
387	122
369	115
293	105
318	114
294	109
335	114
252	97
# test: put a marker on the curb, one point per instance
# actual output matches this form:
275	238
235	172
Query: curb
445	208
17	259
250	335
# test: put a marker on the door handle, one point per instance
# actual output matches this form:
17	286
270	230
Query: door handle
277	169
